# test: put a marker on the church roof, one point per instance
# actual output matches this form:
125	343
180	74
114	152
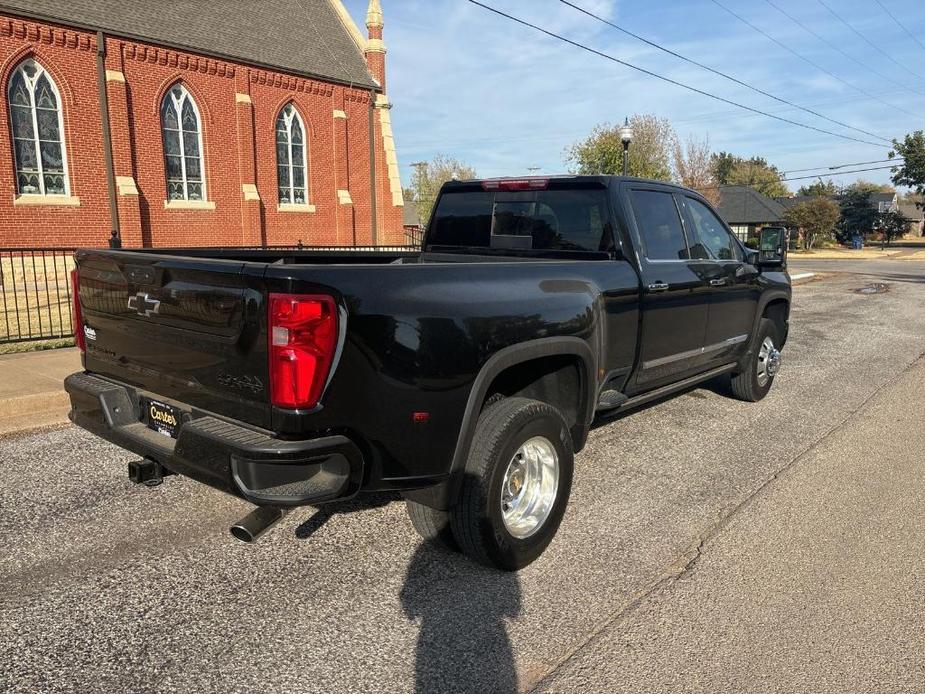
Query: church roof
305	37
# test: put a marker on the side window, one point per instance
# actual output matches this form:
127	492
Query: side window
711	240
660	225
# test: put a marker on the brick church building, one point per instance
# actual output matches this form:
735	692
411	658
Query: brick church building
195	123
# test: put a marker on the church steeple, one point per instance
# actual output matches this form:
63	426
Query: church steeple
374	14
375	47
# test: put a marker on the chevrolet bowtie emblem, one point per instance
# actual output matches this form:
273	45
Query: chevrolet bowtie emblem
143	305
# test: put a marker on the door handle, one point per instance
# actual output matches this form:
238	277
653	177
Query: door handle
658	287
718	283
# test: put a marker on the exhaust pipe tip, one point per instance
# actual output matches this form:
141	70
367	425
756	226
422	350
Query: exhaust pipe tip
256	523
241	533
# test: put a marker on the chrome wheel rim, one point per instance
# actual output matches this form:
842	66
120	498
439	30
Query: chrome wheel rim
768	361
528	491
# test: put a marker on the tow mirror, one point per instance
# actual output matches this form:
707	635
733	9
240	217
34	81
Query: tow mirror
772	247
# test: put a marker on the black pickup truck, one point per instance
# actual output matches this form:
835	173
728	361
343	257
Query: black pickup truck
465	377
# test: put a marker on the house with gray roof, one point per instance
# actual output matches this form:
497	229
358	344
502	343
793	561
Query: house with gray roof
746	210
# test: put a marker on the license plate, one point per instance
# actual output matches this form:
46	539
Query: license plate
162	418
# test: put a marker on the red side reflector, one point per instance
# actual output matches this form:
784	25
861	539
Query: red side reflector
516	184
420	417
76	314
303	337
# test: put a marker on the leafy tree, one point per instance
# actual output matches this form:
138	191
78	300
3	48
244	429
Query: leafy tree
758	174
732	170
602	151
814	218
428	177
911	172
692	165
819	188
857	214
863	186
892	225
722	164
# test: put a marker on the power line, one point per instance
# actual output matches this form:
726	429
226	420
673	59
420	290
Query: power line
814	64
839	50
838	173
718	72
650	73
867	40
900	24
783	179
898	160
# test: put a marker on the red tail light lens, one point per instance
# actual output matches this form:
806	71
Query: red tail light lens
516	184
303	338
76	314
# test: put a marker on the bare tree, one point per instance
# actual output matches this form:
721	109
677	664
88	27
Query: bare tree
693	165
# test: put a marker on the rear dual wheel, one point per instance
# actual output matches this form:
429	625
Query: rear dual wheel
517	482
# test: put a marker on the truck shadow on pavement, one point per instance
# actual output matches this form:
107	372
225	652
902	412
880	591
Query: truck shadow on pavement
461	608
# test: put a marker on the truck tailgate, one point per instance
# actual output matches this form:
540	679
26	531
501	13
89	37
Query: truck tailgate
184	329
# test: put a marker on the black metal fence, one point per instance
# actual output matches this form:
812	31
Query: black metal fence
35	293
35	288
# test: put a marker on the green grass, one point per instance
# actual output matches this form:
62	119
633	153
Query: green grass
35	346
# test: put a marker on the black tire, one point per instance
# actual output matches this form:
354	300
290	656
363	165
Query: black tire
432	525
745	384
476	518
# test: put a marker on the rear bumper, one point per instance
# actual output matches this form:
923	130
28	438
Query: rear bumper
225	455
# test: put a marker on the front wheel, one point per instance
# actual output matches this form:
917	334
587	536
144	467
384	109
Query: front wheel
517	483
754	381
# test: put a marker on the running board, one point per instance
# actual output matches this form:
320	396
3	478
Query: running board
610	399
644	398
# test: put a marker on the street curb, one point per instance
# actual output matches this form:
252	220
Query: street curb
802	278
34	429
50	402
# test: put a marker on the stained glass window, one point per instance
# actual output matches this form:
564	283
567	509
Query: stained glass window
37	127
182	134
290	157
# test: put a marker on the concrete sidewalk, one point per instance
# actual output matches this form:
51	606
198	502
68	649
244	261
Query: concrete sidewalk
31	389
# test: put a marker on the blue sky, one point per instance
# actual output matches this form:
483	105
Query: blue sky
503	97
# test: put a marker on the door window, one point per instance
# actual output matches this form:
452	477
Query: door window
659	224
709	236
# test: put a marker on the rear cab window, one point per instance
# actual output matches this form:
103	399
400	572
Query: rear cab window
568	217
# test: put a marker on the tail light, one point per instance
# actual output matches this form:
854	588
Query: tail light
517	184
303	337
76	314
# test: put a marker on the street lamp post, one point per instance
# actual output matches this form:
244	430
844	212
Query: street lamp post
626	136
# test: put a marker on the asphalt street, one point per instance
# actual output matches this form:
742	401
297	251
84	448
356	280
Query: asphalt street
112	587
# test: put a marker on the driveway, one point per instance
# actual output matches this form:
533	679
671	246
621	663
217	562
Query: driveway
114	587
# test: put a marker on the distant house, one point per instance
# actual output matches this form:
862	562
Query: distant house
882	202
746	210
914	215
